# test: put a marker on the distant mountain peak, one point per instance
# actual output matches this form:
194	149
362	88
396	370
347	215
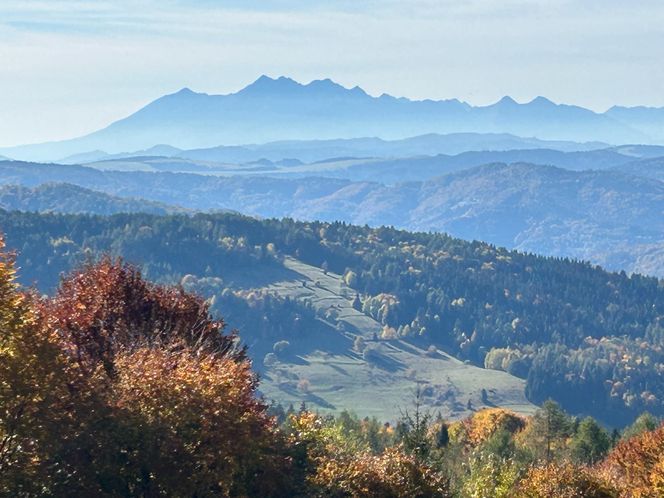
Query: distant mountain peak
541	101
266	85
506	101
330	87
185	91
283	85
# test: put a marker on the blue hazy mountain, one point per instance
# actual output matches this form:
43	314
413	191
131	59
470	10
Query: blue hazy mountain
646	120
422	145
283	109
307	151
371	159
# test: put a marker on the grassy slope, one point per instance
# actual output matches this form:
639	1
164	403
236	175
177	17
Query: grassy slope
340	378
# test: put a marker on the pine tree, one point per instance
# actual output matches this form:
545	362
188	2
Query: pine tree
590	442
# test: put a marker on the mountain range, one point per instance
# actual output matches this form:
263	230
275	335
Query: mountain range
320	150
391	170
283	109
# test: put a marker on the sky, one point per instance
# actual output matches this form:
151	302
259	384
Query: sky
69	67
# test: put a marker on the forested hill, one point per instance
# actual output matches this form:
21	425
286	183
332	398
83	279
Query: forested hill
67	198
588	338
608	217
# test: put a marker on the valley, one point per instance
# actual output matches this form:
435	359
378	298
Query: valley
329	374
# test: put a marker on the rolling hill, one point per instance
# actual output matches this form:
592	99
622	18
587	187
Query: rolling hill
318	150
607	217
649	168
420	168
66	198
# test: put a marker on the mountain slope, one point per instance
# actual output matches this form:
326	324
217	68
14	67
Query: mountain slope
283	109
67	198
649	168
606	217
423	297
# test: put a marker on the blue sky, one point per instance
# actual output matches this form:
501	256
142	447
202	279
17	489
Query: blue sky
68	67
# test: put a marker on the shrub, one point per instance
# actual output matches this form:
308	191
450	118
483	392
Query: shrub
269	359
280	347
303	385
562	481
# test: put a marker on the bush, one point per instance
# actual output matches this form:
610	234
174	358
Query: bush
562	481
269	359
280	347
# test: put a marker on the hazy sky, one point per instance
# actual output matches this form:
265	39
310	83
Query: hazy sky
68	67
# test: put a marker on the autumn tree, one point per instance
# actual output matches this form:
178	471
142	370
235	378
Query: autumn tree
198	429
119	387
33	382
562	481
636	465
336	467
485	423
106	307
547	431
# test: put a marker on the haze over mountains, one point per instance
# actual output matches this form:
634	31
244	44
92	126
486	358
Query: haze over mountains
319	150
283	109
607	217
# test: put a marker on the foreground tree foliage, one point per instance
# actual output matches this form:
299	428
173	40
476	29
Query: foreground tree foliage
342	466
119	387
636	465
563	481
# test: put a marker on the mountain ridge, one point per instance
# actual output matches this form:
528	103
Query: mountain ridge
607	217
283	109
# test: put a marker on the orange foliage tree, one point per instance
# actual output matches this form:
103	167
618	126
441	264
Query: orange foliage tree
636	465
334	467
485	423
119	387
33	385
562	481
